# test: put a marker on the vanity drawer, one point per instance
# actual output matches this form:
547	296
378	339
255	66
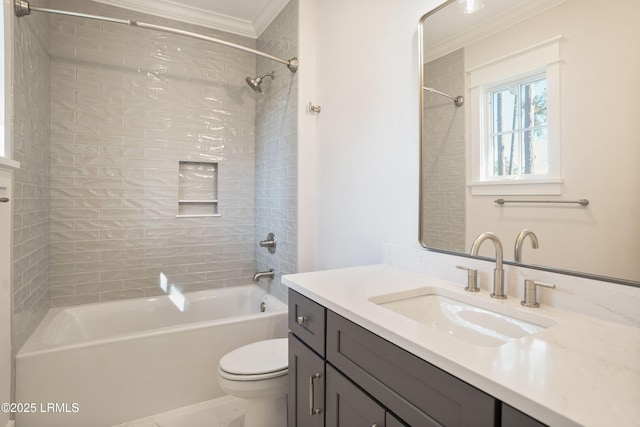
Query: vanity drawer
416	391
307	321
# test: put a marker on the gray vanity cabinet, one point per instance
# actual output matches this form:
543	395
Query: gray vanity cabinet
348	406
307	321
392	421
342	375
306	406
511	417
417	392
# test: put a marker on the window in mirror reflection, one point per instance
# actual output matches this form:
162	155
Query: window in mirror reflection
518	133
513	120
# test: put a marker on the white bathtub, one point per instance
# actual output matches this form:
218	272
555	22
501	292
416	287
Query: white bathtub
103	364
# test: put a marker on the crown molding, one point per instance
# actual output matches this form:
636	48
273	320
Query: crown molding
268	13
205	18
497	23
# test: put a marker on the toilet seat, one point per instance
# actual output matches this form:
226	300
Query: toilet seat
256	361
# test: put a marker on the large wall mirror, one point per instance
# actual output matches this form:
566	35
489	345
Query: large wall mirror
536	104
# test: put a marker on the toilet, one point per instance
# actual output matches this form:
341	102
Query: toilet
258	372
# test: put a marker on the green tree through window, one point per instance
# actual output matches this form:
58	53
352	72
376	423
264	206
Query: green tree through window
518	133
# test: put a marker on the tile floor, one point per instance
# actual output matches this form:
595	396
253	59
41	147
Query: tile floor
226	411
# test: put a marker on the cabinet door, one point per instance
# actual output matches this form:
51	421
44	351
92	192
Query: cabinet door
348	406
306	386
511	417
393	421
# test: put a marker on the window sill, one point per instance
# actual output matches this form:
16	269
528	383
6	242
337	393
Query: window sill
538	187
8	164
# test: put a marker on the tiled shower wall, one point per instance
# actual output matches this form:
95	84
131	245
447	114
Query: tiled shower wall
127	105
30	249
276	150
444	183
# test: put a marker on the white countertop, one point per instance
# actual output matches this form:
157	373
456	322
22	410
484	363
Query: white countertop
581	371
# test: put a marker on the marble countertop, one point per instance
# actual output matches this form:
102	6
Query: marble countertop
581	371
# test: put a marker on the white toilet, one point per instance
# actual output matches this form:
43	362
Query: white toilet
258	372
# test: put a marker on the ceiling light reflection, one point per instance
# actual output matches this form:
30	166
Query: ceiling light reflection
470	6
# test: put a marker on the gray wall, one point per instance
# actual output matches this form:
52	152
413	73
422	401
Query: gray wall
276	150
444	158
96	197
30	249
127	105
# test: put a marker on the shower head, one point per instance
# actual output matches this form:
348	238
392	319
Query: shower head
255	83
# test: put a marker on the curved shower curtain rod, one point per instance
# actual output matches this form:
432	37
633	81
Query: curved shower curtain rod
22	8
458	100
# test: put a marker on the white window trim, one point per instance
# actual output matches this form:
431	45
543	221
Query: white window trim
6	73
541	56
8	164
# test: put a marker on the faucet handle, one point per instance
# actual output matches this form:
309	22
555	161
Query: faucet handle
530	288
269	243
472	278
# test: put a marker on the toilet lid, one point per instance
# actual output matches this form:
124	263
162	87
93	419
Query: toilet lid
257	358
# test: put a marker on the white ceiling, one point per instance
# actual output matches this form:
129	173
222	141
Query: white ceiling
244	17
449	29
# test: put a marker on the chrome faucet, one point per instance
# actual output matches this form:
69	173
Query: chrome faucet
520	240
263	275
498	272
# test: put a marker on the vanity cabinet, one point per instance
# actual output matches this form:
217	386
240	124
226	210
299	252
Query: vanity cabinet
307	321
417	392
352	377
306	386
348	406
511	417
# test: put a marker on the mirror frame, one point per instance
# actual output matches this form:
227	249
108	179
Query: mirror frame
421	125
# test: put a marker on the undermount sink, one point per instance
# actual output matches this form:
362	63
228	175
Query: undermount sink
484	323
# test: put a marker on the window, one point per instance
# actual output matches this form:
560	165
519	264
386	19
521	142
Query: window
513	119
6	14
517	140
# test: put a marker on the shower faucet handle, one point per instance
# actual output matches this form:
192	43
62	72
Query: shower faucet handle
269	243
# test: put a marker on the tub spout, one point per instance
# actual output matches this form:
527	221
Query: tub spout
263	274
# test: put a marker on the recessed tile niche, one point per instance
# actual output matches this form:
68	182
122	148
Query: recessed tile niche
198	189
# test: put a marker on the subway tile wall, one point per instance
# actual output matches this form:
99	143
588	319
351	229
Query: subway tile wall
443	216
30	249
276	150
127	105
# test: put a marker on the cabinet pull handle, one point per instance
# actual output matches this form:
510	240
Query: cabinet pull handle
4	199
312	410
302	320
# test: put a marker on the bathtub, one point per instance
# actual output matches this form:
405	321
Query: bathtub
102	364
